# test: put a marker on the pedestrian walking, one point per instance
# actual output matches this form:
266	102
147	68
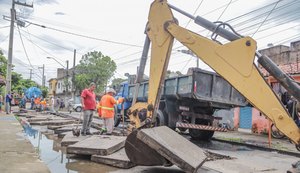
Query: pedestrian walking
32	103
106	110
57	104
1	102
8	99
88	102
62	104
52	102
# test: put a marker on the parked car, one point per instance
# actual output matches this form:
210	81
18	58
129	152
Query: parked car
77	107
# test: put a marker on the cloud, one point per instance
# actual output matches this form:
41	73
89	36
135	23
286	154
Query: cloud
59	13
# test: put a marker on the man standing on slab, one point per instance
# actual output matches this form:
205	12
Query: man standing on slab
88	102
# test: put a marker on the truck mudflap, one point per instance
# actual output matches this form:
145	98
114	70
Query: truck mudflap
199	127
163	146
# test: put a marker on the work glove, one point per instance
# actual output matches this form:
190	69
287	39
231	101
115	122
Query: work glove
120	100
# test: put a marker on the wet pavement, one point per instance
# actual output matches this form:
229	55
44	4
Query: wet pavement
227	156
16	152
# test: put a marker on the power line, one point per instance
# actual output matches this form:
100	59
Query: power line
69	49
85	36
24	47
41	48
194	13
4	27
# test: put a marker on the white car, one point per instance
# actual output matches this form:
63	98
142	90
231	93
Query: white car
77	107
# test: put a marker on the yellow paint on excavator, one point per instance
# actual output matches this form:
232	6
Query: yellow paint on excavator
233	61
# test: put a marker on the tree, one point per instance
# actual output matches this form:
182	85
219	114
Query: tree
94	67
173	74
116	83
3	64
19	84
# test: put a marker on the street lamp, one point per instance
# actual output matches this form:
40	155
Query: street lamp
189	52
56	61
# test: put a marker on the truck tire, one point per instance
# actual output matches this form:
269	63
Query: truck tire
160	119
117	117
201	134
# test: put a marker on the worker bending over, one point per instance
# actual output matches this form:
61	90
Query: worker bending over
106	110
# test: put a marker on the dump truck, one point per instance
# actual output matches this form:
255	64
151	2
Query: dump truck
234	61
187	101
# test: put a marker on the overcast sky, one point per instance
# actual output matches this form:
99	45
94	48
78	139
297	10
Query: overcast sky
116	28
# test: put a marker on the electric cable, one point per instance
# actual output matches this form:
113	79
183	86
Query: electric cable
85	36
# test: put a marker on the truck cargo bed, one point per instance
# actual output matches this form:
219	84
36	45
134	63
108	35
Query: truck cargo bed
205	86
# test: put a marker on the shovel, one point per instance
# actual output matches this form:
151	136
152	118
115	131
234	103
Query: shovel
76	131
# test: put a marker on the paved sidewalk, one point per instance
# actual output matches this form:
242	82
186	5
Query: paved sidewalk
257	141
16	152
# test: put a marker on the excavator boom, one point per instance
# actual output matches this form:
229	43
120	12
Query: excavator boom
234	61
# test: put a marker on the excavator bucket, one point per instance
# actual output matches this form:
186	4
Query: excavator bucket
163	146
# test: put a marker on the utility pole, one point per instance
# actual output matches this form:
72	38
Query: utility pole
43	78
11	39
67	82
73	76
30	74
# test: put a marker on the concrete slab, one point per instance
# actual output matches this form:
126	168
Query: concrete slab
118	159
70	128
53	127
69	139
62	135
64	129
97	145
53	122
172	146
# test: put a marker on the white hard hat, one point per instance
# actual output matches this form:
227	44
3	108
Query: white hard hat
110	90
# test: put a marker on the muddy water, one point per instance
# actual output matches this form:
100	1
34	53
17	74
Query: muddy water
53	155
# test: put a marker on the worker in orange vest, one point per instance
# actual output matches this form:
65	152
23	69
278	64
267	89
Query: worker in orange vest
106	110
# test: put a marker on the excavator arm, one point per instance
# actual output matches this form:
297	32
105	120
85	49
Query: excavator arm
234	61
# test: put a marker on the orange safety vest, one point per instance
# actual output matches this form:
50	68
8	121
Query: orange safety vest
37	101
106	106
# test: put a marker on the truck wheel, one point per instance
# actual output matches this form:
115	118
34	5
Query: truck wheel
160	119
117	117
201	134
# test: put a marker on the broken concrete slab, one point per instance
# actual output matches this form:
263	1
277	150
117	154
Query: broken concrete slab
172	146
97	145
53	122
53	127
62	135
46	118
118	159
63	129
70	139
70	128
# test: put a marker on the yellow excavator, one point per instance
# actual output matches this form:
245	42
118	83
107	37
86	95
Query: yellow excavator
234	61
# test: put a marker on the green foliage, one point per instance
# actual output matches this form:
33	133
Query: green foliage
116	83
44	91
172	74
3	64
18	83
94	67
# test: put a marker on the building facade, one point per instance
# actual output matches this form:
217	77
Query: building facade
61	86
287	59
